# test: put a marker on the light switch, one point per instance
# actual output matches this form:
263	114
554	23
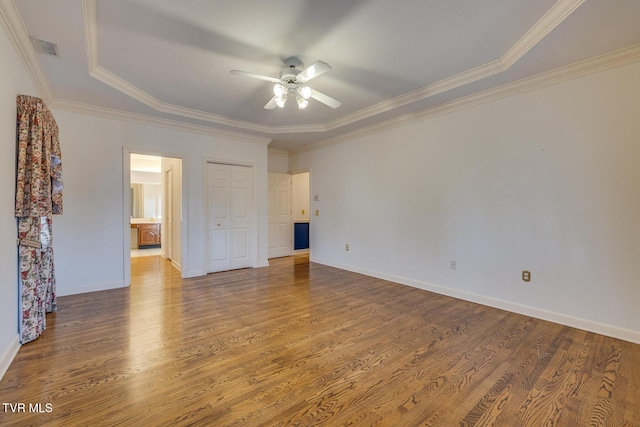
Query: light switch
316	198
317	212
302	211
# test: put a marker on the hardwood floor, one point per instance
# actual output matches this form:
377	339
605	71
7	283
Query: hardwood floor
304	344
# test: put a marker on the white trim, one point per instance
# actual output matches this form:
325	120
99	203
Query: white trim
126	222
176	265
548	78
13	25
109	113
554	17
193	273
9	355
262	264
96	287
525	310
550	20
17	33
278	152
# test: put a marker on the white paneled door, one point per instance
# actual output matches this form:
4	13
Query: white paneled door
229	217
279	217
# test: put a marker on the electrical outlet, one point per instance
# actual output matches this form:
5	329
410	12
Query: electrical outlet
526	275
452	264
346	247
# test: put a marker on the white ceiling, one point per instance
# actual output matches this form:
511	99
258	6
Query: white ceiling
144	163
171	60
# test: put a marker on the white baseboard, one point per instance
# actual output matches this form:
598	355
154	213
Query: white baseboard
262	264
89	288
538	313
176	265
9	355
194	273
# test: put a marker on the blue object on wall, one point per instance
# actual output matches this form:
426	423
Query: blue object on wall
300	235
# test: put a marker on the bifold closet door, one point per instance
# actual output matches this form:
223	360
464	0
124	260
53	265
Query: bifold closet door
229	217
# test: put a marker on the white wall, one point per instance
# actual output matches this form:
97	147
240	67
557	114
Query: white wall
144	177
14	80
89	237
300	196
278	161
545	181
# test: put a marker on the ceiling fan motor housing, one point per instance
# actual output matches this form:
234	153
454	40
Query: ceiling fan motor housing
289	76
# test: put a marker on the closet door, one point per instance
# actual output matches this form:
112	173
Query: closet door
240	217
229	217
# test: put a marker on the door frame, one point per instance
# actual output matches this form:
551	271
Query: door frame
253	206
290	248
126	225
167	207
311	210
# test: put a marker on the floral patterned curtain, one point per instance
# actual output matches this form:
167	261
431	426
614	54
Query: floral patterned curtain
38	197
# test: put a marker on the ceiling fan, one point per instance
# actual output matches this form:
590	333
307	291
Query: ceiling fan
293	83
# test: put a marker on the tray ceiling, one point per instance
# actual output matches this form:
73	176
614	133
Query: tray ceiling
171	61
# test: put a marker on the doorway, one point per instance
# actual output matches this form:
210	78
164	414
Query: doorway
155	200
300	190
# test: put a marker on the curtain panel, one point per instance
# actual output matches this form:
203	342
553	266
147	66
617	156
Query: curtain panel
38	197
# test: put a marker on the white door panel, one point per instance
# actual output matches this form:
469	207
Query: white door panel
279	215
230	215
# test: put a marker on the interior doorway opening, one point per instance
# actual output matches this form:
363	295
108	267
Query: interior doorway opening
301	207
155	200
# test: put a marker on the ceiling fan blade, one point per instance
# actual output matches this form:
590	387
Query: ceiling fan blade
255	76
271	104
313	70
325	99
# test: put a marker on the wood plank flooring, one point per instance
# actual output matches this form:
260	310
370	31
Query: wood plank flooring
303	344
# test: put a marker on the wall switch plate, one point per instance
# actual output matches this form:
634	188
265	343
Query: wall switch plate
346	247
452	264
316	198
526	275
317	212
302	211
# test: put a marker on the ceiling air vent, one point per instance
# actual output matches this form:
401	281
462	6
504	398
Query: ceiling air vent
45	47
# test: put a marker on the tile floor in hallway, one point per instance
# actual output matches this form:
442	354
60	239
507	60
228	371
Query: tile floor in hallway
145	252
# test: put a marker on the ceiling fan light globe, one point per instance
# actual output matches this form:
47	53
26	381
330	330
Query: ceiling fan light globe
278	90
280	101
305	91
302	103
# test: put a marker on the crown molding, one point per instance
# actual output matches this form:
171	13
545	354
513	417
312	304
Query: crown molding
278	152
554	16
297	129
90	15
109	113
18	35
579	69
